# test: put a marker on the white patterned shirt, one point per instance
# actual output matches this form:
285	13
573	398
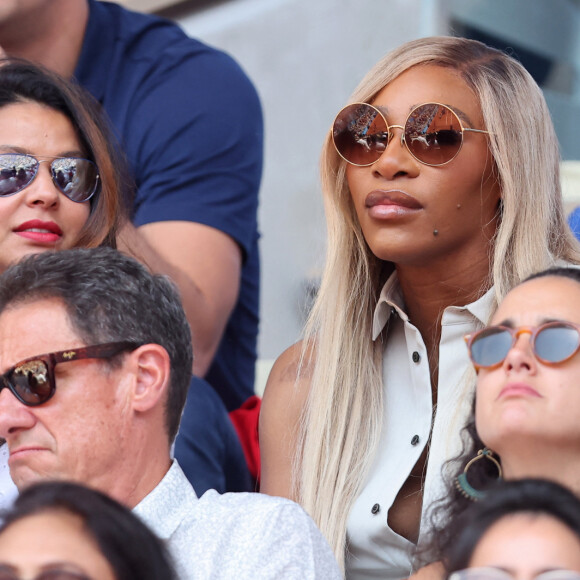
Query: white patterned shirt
237	536
8	491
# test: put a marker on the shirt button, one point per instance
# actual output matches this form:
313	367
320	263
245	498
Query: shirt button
416	357
375	509
415	440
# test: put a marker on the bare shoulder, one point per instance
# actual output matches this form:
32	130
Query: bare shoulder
290	370
284	398
288	385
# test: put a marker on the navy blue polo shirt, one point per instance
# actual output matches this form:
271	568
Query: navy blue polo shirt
190	123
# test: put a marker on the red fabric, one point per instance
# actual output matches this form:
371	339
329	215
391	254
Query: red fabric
245	420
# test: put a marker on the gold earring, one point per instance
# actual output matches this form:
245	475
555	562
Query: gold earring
461	481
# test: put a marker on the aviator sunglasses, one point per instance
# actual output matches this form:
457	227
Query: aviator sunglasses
32	382
433	134
552	343
76	178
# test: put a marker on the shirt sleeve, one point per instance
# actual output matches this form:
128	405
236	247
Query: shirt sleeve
298	549
277	540
196	139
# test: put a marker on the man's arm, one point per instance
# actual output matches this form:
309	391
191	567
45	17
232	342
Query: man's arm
204	263
190	123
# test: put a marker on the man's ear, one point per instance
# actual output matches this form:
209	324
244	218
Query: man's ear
151	365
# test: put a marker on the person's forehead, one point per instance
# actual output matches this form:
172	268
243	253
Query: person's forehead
427	84
548	297
34	327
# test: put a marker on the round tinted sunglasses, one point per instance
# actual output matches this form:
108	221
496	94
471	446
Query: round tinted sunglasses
433	134
552	343
32	381
488	573
76	178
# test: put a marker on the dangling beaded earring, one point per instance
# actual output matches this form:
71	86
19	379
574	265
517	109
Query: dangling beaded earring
465	487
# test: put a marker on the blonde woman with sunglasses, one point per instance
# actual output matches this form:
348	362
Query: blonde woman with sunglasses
441	187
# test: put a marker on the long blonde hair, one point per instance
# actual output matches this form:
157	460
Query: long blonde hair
341	422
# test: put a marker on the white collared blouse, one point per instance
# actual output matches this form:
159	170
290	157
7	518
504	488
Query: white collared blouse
374	550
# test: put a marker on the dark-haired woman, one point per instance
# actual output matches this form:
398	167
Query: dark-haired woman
64	531
526	405
526	530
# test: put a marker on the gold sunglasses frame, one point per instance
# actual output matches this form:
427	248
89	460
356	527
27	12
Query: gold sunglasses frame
402	127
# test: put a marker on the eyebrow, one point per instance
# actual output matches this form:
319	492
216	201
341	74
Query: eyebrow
463	116
63	566
511	324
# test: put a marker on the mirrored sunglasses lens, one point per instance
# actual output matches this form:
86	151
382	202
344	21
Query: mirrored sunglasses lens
76	178
491	346
556	343
433	134
360	134
31	382
558	575
483	573
16	172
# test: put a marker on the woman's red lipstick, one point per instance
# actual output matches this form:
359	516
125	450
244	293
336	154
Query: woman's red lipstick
40	231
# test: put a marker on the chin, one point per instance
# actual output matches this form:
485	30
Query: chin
23	253
24	480
24	476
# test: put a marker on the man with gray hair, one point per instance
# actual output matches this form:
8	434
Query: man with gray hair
96	359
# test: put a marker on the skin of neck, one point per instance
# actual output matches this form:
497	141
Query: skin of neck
543	461
428	290
51	33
